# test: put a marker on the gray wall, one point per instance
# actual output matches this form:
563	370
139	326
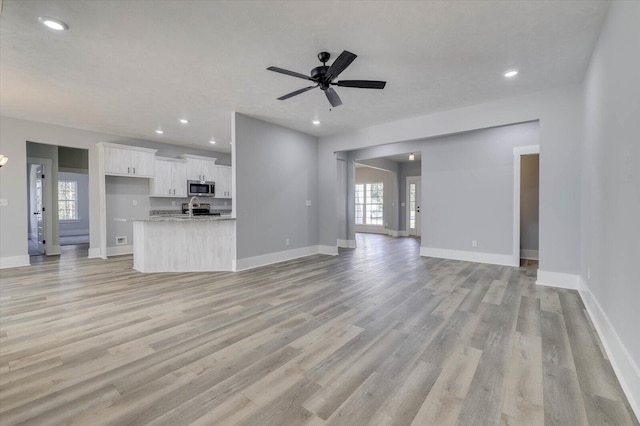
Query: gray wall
276	172
80	226
409	168
611	176
390	194
529	206
121	192
467	188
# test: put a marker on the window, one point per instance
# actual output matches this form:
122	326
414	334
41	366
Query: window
369	204
67	200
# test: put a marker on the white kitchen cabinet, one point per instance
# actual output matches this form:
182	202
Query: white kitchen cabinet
223	182
125	160
170	178
200	168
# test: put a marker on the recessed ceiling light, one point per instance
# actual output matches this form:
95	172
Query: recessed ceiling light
212	141
184	121
159	131
316	122
511	73
53	24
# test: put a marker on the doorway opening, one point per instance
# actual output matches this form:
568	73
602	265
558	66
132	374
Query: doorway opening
526	205
57	202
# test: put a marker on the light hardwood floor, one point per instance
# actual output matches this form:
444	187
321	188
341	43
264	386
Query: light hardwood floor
374	336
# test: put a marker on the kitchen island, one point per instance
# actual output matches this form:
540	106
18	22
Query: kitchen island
178	243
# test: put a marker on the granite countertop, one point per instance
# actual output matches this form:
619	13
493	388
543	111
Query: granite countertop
176	218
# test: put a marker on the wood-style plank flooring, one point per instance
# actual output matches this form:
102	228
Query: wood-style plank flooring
374	336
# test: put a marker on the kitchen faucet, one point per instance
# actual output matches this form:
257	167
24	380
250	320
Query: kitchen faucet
191	203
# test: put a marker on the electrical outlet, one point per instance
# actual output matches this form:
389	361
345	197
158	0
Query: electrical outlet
286	242
4	202
474	243
308	203
135	203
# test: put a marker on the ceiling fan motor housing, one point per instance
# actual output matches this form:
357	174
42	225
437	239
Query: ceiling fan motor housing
319	72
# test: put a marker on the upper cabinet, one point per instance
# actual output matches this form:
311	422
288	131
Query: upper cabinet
223	182
125	160
170	178
200	168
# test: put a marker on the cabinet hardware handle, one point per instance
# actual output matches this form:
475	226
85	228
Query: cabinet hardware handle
134	170
128	169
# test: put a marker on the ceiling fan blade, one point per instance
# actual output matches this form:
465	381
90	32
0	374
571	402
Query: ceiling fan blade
297	92
362	84
291	73
340	64
333	97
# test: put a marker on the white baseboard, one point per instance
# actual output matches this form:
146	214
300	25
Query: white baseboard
558	279
14	261
74	232
347	243
371	229
623	364
94	253
403	233
469	256
528	254
393	233
328	250
120	250
281	256
52	250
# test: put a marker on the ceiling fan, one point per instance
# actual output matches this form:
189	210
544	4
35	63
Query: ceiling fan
324	75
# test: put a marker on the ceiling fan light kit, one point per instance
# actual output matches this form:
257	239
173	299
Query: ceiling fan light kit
325	75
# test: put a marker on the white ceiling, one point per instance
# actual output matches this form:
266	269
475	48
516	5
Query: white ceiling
128	67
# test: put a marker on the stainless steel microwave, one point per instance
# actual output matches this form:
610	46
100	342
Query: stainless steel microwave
201	188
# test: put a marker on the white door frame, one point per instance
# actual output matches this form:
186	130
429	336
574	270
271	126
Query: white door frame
518	152
410	179
49	247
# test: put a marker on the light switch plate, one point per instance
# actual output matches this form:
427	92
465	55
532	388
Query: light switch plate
308	203
4	202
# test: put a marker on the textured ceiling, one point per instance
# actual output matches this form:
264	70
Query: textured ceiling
130	66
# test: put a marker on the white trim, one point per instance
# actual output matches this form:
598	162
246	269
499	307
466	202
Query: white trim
280	256
74	232
469	256
529	254
14	261
625	368
518	152
328	250
120	250
393	233
403	233
53	250
371	229
347	243
558	279
94	253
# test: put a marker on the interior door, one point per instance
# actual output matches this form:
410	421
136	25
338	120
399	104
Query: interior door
413	206
39	210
